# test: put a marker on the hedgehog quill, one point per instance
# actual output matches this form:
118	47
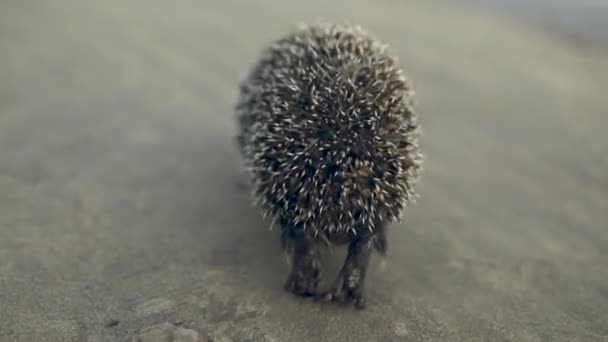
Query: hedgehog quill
329	134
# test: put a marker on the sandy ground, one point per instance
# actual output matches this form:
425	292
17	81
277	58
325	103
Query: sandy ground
122	204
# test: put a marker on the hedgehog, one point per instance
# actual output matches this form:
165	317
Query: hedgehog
329	133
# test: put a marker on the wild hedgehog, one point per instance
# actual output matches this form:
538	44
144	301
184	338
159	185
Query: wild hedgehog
330	137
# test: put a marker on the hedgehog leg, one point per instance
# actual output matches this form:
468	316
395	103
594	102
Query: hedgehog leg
306	267
349	284
380	239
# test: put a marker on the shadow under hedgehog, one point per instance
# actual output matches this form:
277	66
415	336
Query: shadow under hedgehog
328	130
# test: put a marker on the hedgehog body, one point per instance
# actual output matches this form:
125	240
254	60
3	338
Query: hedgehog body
329	133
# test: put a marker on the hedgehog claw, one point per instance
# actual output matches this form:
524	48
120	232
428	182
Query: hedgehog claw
303	283
348	289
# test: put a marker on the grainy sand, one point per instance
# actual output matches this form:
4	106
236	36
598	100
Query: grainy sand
120	207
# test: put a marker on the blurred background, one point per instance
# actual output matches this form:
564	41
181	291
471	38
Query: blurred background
124	212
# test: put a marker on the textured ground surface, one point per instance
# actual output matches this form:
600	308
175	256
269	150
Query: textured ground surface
121	209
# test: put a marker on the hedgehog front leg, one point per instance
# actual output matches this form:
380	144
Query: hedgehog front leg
350	282
306	266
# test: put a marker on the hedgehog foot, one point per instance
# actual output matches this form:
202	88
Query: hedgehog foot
348	287
306	268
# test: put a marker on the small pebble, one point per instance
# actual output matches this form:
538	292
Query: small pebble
167	332
112	323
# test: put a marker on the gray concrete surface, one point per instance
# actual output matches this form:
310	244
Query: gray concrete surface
581	21
122	209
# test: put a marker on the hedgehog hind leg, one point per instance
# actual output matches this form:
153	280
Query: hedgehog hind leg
380	240
305	270
349	285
